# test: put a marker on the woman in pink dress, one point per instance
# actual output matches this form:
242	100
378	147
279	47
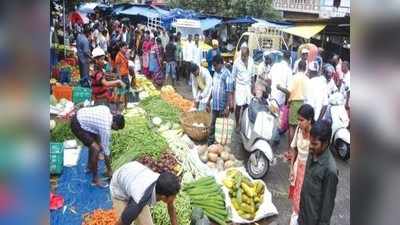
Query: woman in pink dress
147	44
299	146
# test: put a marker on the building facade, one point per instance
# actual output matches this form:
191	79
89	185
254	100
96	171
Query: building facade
308	9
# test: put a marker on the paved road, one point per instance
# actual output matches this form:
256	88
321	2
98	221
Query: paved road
277	180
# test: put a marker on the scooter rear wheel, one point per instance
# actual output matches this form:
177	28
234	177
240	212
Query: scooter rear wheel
257	165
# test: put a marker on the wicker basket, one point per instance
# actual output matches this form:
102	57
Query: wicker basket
194	132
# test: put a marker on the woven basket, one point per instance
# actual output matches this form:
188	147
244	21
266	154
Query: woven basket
194	132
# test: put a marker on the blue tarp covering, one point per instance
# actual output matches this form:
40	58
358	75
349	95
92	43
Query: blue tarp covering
143	10
241	20
209	23
88	7
79	196
274	24
178	13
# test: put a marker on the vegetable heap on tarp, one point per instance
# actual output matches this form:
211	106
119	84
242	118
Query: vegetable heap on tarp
101	217
183	211
166	163
61	132
135	140
156	107
206	194
168	94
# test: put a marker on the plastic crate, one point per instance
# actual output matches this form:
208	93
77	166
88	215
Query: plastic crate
62	91
56	158
80	94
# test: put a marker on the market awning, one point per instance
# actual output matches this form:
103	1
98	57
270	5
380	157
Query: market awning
150	12
304	31
267	24
88	7
241	20
209	23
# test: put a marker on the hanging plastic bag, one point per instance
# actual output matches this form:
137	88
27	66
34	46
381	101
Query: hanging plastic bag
223	130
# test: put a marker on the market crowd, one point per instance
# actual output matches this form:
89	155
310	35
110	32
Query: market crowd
109	53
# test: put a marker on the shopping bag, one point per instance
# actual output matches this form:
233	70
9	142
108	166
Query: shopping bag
223	130
284	119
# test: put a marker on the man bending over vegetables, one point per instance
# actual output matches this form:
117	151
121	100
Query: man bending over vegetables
92	126
134	187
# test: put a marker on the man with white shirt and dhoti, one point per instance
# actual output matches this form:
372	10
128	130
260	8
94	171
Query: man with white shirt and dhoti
242	72
201	86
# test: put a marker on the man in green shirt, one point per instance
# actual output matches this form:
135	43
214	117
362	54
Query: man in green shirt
320	180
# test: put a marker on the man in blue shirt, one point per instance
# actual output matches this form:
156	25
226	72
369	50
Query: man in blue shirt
221	95
83	51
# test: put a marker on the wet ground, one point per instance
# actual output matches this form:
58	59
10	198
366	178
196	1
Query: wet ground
277	179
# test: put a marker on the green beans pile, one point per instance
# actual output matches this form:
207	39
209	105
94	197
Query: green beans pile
156	107
135	140
183	211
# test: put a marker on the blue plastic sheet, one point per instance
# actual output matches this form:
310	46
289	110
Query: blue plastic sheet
79	196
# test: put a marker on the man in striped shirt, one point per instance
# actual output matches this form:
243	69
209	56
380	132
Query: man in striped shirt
92	126
221	95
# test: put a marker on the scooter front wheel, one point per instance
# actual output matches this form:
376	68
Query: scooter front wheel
257	165
342	149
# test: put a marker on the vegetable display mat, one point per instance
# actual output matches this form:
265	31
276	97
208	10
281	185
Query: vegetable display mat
79	196
267	208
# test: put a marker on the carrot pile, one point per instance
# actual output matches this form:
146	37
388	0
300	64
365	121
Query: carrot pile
101	217
169	95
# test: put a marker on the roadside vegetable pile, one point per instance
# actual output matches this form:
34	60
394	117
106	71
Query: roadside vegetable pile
61	132
169	95
166	163
218	157
183	211
135	140
143	84
101	217
206	194
246	195
156	107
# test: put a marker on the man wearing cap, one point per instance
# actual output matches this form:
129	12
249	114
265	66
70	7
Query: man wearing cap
242	72
263	80
211	54
100	86
317	95
304	56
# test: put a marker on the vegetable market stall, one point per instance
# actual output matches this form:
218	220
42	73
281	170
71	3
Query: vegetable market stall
153	136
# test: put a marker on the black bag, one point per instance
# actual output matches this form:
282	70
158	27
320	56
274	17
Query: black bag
255	106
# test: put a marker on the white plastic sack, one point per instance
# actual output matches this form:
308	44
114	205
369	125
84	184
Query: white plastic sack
267	208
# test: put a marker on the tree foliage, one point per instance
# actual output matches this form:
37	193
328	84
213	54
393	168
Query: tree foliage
229	8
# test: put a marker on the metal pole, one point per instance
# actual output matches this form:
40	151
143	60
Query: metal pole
65	50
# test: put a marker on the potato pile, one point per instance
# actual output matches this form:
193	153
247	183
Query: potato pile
246	195
218	157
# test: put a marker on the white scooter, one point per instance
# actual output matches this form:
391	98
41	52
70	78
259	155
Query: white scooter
337	115
257	125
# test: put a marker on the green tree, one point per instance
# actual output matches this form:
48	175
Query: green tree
229	8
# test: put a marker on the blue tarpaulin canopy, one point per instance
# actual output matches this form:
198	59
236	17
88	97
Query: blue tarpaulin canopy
144	10
88	7
209	23
241	20
272	24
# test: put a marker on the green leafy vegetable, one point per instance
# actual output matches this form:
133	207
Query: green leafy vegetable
156	107
61	132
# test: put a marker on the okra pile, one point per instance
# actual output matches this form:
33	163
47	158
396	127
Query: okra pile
206	194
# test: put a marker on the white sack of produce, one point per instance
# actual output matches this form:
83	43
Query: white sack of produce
70	143
266	208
